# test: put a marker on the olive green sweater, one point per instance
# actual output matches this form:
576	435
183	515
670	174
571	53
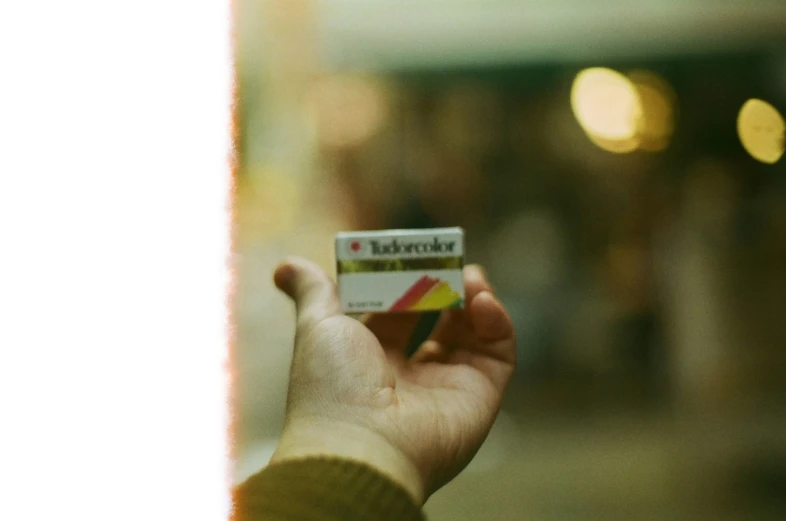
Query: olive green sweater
322	489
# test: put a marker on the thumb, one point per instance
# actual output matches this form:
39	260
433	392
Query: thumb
313	292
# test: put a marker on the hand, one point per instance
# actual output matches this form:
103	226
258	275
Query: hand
354	393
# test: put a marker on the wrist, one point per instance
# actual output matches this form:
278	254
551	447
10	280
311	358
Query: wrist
352	442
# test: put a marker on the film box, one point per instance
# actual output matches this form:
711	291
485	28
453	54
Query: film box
400	270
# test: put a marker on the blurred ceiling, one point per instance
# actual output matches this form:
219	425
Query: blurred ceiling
385	34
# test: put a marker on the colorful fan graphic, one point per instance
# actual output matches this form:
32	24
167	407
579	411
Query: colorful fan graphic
427	294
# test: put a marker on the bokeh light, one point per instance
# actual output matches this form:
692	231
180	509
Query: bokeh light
657	110
617	146
267	202
762	131
346	111
608	108
622	113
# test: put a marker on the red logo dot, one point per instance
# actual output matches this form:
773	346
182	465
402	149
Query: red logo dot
355	246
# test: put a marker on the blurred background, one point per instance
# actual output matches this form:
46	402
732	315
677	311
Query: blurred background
631	217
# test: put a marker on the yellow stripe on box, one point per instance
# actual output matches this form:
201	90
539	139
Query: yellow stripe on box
441	296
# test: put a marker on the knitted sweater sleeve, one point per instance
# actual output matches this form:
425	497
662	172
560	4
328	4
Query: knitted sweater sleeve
323	489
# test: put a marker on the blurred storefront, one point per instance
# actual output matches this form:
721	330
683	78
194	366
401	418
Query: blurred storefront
594	157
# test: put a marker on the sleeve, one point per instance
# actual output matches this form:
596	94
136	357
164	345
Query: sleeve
323	489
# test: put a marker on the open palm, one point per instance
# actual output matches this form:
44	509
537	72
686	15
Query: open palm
436	408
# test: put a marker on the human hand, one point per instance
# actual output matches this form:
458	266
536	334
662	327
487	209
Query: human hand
354	393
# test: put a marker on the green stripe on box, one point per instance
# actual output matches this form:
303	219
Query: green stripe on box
428	263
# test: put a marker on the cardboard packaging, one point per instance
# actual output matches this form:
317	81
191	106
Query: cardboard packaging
400	270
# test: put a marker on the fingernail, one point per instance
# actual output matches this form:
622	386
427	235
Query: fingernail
485	276
479	269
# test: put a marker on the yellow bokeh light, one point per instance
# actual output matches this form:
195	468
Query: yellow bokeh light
607	106
268	202
346	111
616	146
657	110
622	113
761	130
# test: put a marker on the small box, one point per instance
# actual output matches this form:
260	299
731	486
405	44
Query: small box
400	270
